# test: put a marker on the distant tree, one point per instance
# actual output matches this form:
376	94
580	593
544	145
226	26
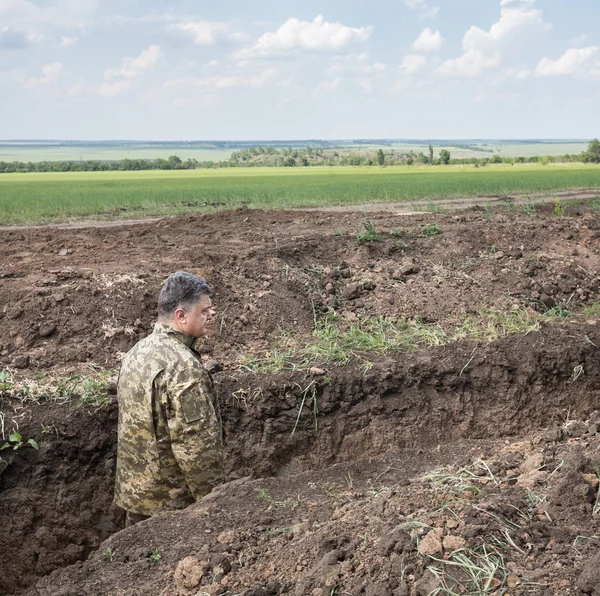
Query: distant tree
592	155
304	160
174	162
430	154
496	159
445	156
410	160
380	157
289	162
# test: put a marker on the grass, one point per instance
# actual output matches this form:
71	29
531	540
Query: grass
78	390
462	481
28	198
476	571
336	342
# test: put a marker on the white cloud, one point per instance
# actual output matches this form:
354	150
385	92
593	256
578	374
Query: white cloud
412	64
108	90
135	67
112	89
327	86
425	9
51	74
315	36
482	50
471	64
428	41
355	64
508	2
255	81
579	40
226	81
575	62
208	33
60	15
67	42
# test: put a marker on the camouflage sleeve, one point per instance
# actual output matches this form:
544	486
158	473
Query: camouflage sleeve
194	431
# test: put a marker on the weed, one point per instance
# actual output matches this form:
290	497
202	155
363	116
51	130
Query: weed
593	310
154	557
528	209
558	312
434	208
470	571
578	372
581	540
48	429
534	498
81	390
559	209
430	230
16	441
463	482
369	234
6	383
272	503
110	553
398	232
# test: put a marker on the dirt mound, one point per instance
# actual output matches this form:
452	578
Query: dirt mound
397	474
87	295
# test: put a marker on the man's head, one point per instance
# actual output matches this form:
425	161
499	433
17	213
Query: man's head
184	303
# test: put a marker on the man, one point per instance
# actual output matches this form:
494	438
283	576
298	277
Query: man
169	452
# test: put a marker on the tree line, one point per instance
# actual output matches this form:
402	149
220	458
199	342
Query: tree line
288	157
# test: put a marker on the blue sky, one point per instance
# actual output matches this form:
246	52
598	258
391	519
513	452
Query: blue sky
263	69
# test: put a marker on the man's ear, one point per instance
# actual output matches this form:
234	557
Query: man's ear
180	315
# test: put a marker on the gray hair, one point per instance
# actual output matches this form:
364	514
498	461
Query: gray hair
181	290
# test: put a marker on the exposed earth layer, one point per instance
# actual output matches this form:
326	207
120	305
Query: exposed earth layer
463	462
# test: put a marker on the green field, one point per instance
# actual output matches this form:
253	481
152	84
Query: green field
62	196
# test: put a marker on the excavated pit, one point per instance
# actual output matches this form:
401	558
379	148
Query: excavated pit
56	502
73	299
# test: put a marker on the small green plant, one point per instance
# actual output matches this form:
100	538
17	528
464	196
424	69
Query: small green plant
6	383
272	503
593	310
559	209
110	553
154	557
528	209
369	234
430	230
398	232
16	441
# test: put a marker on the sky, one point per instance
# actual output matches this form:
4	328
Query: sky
277	69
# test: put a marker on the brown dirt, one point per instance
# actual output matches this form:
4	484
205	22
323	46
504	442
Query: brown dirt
326	470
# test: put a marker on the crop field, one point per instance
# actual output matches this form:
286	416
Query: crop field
59	196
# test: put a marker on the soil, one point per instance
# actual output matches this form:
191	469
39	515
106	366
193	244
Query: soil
331	488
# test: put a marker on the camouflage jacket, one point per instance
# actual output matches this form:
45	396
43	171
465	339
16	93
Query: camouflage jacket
169	451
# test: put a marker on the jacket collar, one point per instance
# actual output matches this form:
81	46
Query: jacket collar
180	336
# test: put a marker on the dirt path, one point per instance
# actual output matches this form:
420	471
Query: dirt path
404	207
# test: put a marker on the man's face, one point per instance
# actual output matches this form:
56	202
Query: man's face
193	320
